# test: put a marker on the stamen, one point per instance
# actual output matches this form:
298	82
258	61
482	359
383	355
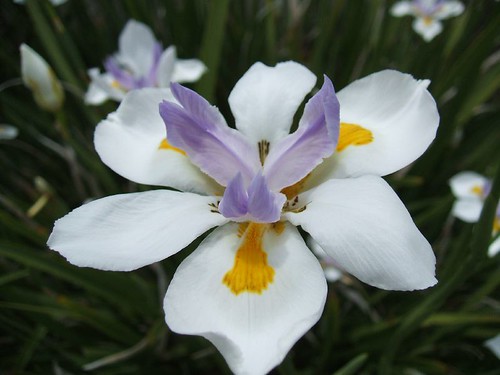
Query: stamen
250	272
352	134
164	145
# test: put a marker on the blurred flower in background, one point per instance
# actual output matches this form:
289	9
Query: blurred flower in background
471	189
330	267
8	132
428	14
39	77
140	62
494	345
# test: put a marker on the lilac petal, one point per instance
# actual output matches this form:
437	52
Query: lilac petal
264	205
258	204
199	129
234	203
152	77
299	153
124	78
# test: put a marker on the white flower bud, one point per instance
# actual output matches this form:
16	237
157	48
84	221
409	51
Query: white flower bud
39	77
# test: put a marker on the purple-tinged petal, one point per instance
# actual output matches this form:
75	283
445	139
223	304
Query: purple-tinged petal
264	205
234	203
257	204
124	78
299	153
152	77
199	129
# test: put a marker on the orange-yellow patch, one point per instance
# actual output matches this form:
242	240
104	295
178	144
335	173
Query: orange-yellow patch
427	21
352	134
496	225
250	272
293	190
164	145
278	227
477	189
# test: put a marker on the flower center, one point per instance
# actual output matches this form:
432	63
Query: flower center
427	21
250	272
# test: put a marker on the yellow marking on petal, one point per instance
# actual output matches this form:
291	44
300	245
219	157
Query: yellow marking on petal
242	229
164	145
115	84
352	134
293	190
496	225
278	227
477	189
250	272
427	21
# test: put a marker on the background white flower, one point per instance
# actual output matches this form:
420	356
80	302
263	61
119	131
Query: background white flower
428	14
140	62
471	189
8	132
494	345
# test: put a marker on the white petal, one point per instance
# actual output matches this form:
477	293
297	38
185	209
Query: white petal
127	231
38	76
136	46
189	70
166	66
265	99
401	115
95	95
449	9
128	141
366	229
467	209
253	331
402	8
468	185
494	248
102	88
428	28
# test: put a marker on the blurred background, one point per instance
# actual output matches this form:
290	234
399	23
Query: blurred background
59	319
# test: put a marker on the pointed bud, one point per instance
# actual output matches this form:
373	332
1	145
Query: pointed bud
40	79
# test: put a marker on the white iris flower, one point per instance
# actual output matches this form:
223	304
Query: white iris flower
428	14
140	62
471	189
253	287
